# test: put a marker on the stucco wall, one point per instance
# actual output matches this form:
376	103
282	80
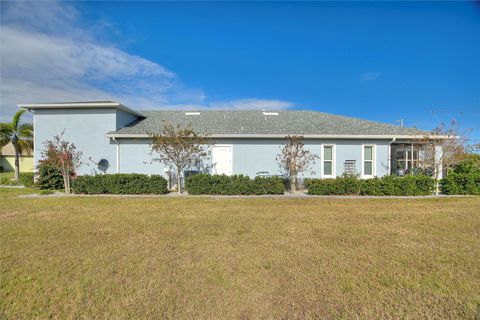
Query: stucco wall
135	157
84	127
255	155
251	156
124	118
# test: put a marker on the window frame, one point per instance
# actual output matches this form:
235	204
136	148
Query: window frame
373	161
333	161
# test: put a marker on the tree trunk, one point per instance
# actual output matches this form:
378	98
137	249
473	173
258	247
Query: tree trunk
179	186
66	182
293	184
17	163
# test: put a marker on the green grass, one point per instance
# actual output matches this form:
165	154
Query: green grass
237	258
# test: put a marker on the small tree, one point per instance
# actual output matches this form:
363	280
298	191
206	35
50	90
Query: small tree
294	159
443	148
179	147
20	135
63	156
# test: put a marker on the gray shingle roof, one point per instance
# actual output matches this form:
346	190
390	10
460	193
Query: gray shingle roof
255	122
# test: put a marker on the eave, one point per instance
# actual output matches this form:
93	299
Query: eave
81	105
282	136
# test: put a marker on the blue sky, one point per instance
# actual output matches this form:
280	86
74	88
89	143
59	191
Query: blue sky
381	61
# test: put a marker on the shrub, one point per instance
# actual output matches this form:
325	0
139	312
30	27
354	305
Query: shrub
308	181
26	179
346	185
417	185
470	164
49	178
5	180
461	183
120	183
233	185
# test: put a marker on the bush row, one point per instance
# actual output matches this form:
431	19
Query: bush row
461	183
231	185
386	186
25	179
120	184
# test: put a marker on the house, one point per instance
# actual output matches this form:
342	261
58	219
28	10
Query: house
7	159
114	139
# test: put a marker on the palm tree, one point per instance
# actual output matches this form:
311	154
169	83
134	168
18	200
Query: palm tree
20	135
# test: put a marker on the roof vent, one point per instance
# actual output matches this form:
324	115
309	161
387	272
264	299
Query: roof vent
192	113
270	113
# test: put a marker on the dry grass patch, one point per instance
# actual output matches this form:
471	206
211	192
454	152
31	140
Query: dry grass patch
211	258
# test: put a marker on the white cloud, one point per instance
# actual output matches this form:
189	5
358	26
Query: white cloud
48	55
249	104
241	104
369	76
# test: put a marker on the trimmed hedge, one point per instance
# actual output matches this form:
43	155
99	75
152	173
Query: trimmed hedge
461	183
49	178
233	185
411	185
26	179
120	183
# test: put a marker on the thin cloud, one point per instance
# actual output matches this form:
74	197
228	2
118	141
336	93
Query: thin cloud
48	54
241	104
369	76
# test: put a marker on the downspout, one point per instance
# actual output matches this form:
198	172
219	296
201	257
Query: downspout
118	155
390	156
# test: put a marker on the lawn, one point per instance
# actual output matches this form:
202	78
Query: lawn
238	258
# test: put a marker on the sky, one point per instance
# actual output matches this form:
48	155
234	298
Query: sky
382	61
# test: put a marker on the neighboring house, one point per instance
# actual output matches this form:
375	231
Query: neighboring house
7	159
243	142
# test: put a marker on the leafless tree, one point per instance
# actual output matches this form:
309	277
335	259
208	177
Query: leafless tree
442	149
179	147
294	159
63	156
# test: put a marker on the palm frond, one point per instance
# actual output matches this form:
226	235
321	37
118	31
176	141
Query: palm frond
25	131
16	119
5	128
3	143
5	133
25	145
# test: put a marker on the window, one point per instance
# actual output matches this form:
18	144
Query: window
368	161
349	167
328	161
405	157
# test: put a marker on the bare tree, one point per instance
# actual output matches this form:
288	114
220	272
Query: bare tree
294	159
179	147
63	156
442	149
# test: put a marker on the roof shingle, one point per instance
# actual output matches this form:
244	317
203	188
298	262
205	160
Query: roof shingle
256	122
